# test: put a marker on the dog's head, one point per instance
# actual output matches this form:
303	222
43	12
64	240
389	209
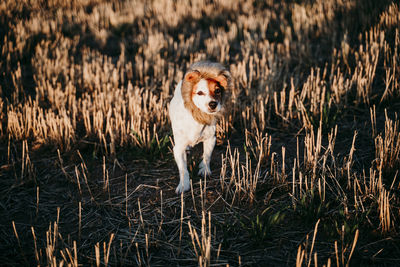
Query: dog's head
204	90
206	93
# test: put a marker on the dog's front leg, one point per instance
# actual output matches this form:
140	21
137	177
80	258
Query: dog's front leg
208	147
180	158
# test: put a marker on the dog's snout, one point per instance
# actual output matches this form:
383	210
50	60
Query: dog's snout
213	104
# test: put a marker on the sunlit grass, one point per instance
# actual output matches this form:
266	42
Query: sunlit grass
307	163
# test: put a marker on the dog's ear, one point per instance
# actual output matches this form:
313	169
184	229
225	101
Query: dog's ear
192	76
222	79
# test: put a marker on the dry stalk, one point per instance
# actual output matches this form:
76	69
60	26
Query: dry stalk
202	244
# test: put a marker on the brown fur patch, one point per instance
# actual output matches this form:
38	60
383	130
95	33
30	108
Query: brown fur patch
213	85
222	80
215	74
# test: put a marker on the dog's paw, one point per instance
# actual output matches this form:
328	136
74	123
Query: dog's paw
181	188
204	170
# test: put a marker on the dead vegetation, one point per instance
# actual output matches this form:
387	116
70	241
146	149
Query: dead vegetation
306	170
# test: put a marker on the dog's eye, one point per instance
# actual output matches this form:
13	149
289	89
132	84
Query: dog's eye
200	93
217	91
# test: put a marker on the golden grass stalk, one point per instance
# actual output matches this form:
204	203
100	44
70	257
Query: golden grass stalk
242	181
384	211
387	147
202	244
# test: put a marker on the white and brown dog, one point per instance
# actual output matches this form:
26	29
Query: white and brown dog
197	103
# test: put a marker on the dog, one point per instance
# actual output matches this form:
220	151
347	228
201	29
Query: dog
197	104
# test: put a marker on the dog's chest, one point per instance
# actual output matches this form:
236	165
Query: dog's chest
205	132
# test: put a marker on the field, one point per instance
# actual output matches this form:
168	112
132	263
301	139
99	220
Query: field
306	167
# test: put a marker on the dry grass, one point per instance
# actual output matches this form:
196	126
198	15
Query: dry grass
308	157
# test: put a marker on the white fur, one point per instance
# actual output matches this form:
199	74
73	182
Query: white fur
188	132
202	101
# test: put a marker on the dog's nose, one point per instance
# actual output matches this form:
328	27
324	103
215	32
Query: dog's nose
213	104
